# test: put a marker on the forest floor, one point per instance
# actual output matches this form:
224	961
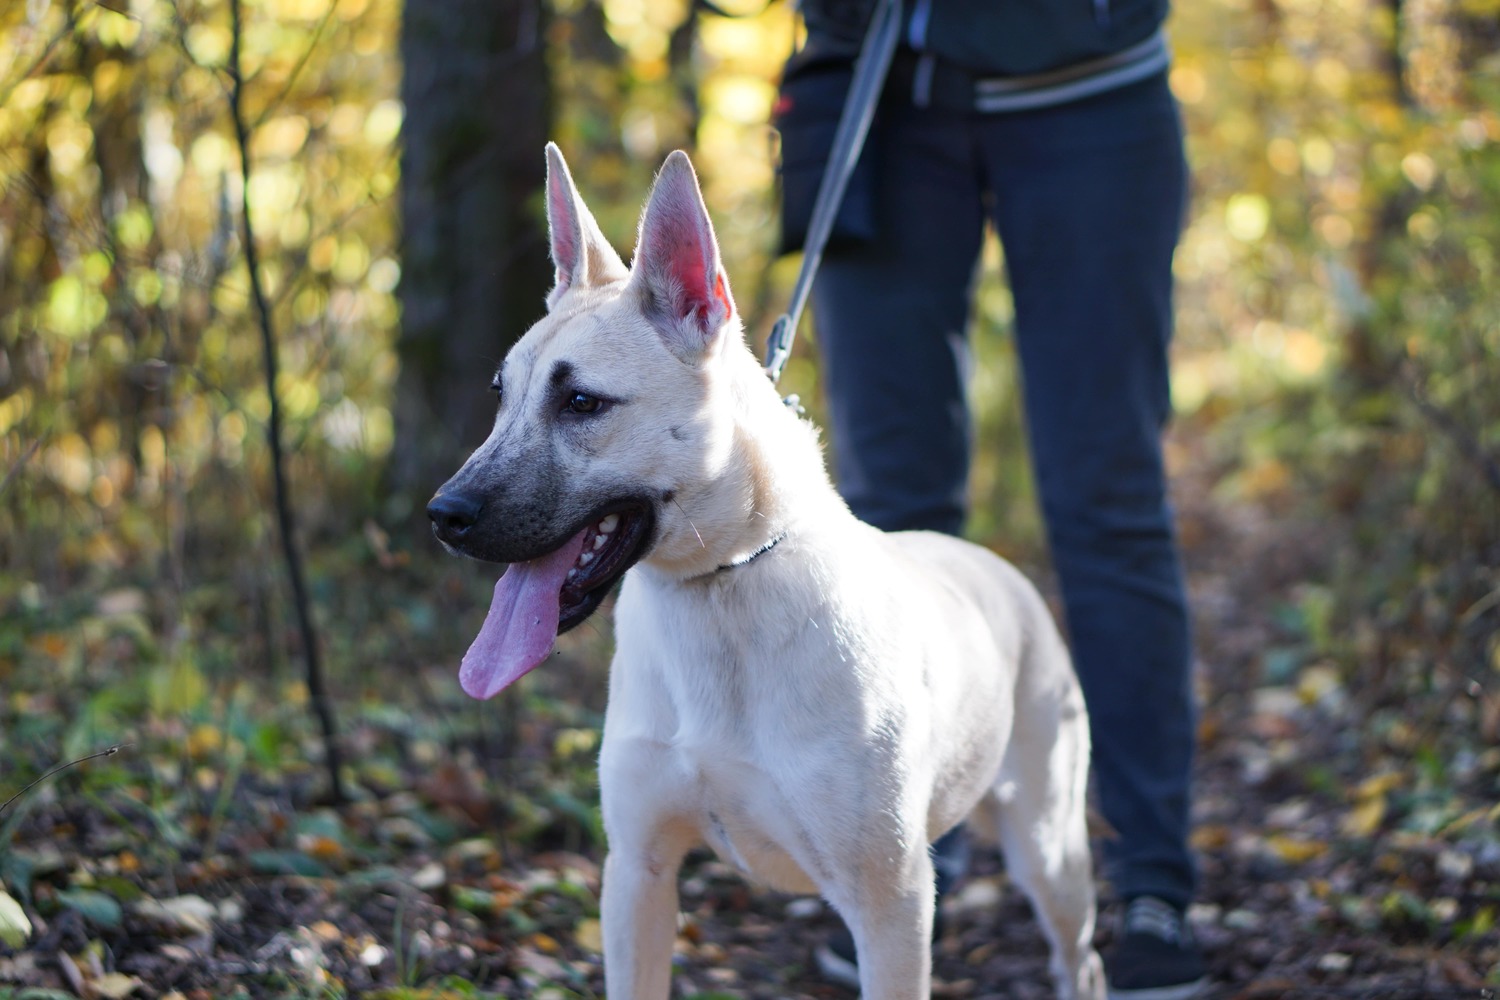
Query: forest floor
1339	856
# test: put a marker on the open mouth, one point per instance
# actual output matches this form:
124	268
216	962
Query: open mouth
537	599
611	545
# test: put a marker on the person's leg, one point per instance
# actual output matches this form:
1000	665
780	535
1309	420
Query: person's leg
1089	203
890	319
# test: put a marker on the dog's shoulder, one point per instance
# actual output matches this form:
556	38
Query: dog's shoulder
968	571
947	554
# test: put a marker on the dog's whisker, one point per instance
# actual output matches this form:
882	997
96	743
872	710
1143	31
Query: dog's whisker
701	543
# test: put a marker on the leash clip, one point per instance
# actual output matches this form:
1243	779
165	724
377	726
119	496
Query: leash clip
778	351
870	71
778	346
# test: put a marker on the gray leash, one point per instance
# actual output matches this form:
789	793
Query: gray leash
848	140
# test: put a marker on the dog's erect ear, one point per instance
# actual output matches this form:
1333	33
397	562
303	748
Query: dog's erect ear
676	270
579	250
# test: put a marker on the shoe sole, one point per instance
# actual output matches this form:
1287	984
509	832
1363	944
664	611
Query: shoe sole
836	969
1177	991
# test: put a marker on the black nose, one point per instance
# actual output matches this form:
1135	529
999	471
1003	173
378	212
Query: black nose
453	514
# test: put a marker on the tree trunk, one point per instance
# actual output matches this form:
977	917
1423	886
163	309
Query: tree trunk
474	253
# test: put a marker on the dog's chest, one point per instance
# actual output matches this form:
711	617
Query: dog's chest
734	730
746	817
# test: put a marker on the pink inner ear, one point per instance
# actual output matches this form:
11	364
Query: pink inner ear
721	292
564	221
704	309
677	259
684	254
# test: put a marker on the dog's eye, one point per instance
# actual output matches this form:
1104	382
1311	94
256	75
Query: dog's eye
495	385
582	402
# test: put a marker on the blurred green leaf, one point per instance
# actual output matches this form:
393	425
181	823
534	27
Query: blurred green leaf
286	863
15	928
99	909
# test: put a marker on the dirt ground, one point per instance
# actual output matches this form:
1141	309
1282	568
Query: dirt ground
1335	863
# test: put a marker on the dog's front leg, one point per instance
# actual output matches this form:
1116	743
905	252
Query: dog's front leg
648	837
640	920
893	936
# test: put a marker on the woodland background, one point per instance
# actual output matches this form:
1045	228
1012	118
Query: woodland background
1336	458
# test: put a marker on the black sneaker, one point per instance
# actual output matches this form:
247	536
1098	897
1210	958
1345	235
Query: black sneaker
1156	957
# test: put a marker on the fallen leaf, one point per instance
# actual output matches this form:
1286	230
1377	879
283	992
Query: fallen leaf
466	897
1294	850
478	849
590	936
97	908
1214	837
430	876
179	953
1319	683
51	644
120	603
1365	818
1242	920
286	863
15	928
1378	785
325	931
204	740
542	965
70	971
449	785
182	915
321	848
979	894
114	986
1455	865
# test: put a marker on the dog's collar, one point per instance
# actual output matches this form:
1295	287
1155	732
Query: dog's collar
754	555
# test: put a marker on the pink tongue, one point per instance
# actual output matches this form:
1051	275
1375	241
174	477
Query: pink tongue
519	631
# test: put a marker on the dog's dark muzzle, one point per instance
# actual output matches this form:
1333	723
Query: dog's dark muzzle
453	514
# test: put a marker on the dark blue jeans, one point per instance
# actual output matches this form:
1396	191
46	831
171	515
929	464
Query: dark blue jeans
1088	200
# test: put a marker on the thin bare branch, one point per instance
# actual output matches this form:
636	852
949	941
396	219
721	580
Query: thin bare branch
20	463
317	688
291	80
106	752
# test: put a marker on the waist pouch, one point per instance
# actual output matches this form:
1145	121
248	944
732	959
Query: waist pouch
807	116
817	81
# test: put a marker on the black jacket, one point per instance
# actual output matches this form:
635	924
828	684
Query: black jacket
1000	37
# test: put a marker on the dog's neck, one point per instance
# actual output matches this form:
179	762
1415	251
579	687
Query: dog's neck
771	479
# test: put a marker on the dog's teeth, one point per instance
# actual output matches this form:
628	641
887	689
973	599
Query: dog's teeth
608	524
572	574
599	541
585	559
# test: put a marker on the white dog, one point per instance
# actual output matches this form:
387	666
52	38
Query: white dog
812	698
